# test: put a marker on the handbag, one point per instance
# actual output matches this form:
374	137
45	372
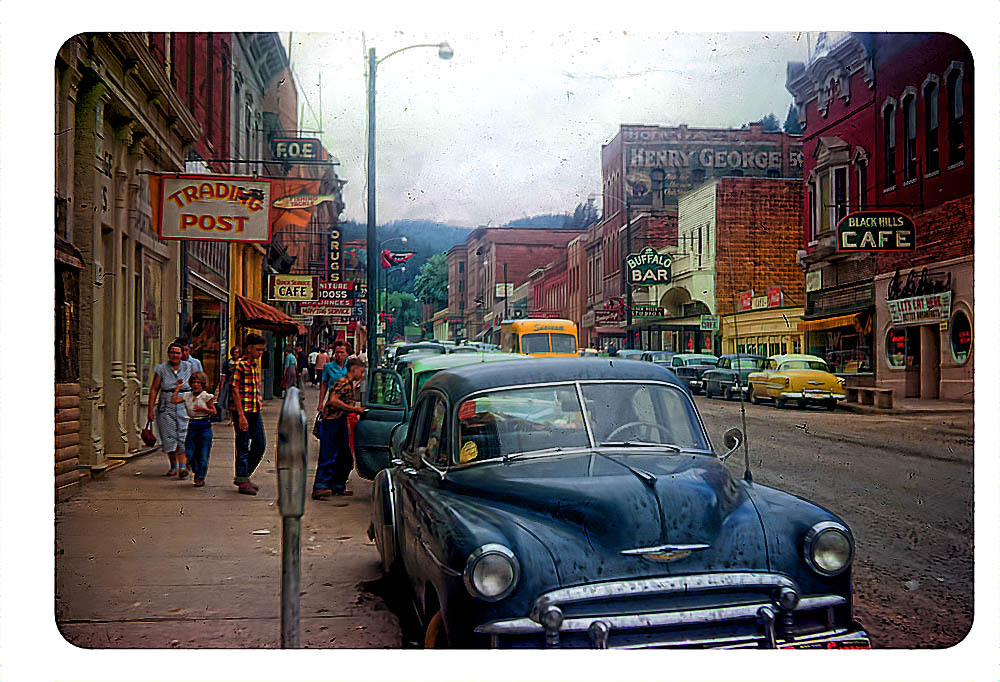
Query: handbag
147	434
316	424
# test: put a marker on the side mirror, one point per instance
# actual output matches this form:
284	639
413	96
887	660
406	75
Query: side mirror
732	439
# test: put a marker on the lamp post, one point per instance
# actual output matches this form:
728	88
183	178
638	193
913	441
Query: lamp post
444	52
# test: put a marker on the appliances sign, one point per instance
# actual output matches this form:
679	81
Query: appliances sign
215	208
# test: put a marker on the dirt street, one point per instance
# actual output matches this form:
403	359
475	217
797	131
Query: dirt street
904	485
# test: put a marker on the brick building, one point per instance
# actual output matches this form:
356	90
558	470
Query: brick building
479	265
737	240
887	124
645	169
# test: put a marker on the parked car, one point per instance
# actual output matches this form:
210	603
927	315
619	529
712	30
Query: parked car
690	366
804	379
391	394
730	374
629	354
660	357
577	503
419	346
588	352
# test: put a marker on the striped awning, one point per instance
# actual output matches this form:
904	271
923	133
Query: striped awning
252	313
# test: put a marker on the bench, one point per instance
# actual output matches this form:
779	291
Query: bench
869	395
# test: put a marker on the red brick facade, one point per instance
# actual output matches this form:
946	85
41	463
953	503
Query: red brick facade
757	221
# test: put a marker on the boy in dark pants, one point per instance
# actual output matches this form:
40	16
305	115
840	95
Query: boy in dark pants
247	402
335	459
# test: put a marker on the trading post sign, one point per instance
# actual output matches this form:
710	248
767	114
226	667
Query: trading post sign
214	208
293	287
648	267
875	231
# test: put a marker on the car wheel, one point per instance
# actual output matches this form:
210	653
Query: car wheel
708	390
754	400
779	403
729	393
434	635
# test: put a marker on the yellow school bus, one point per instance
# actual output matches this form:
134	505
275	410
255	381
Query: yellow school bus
539	337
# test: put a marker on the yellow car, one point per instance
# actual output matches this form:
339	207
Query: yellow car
802	378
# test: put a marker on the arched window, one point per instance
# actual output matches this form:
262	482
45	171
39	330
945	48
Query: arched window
910	137
932	151
956	110
889	143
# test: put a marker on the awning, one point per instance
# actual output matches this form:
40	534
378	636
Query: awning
608	331
828	323
251	313
481	334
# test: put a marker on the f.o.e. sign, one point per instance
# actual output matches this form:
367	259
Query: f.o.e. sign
215	208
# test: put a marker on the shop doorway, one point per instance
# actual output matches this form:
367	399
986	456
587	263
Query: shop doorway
930	362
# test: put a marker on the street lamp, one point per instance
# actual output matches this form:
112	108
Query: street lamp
444	52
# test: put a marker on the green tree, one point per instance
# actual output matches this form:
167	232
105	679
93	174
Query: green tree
431	285
770	122
792	121
405	311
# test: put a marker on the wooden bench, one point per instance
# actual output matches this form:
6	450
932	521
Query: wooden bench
869	395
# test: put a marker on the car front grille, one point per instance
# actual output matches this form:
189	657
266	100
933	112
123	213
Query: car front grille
716	610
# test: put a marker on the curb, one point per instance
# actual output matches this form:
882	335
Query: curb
866	409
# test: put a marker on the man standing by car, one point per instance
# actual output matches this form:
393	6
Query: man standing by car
332	371
247	401
335	460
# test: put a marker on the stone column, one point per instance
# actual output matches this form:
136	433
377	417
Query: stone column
134	421
87	218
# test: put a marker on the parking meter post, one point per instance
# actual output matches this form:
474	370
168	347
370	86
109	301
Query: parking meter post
292	445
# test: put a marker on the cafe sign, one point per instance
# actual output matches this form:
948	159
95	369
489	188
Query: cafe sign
875	231
709	323
648	267
607	316
930	309
292	287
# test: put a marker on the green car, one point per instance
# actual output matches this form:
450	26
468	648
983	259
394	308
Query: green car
389	398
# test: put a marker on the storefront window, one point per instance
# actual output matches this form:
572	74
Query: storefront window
961	337
902	347
844	349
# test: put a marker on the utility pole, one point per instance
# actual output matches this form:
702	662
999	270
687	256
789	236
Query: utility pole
371	240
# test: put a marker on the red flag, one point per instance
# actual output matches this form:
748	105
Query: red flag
391	259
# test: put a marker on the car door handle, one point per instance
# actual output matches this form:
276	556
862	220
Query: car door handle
409	471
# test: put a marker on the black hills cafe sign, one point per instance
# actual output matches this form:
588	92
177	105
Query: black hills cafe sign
647	268
875	231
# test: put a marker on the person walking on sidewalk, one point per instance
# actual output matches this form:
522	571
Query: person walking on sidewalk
227	380
321	359
187	357
171	377
312	365
200	407
335	459
247	399
288	370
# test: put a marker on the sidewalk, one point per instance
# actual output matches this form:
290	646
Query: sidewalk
911	406
149	561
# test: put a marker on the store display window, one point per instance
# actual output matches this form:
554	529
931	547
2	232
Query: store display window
845	350
961	337
902	347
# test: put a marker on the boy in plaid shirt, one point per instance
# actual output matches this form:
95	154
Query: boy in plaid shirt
247	400
335	459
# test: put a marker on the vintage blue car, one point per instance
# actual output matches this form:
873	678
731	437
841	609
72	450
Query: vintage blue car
578	503
690	366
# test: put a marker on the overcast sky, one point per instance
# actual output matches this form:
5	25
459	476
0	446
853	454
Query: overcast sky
513	124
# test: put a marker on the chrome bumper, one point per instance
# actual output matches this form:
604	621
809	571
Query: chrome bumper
761	624
813	395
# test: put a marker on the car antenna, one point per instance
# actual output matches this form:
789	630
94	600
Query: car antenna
747	476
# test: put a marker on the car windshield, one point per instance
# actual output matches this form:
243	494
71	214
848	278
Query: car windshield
419	349
748	363
524	420
804	364
701	360
540	343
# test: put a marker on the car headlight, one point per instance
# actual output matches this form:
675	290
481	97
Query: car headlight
828	548
491	572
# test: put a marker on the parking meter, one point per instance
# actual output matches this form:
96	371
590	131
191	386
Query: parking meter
292	448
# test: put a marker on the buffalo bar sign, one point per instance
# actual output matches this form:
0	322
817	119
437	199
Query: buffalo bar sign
875	231
920	309
295	148
215	208
648	267
293	287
